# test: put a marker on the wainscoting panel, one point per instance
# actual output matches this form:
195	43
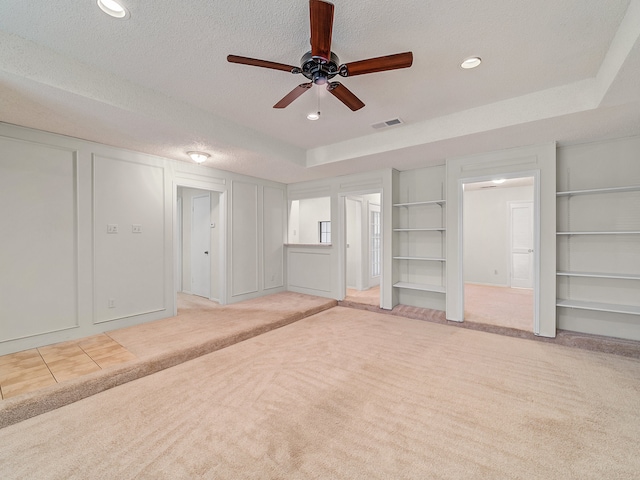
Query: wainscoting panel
244	238
39	254
129	263
310	270
273	227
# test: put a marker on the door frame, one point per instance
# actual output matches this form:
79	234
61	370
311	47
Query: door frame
536	238
341	240
221	190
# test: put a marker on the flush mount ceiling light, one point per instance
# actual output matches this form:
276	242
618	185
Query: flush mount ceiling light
313	116
498	181
113	8
471	62
198	157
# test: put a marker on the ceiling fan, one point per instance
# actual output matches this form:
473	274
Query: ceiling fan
320	64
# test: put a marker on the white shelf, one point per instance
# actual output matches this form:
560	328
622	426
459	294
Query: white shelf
600	233
413	204
419	286
599	307
427	259
419	229
592	191
623	276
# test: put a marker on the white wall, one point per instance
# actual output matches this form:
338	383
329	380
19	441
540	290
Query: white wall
486	233
62	276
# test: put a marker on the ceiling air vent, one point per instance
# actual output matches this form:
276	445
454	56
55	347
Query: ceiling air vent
389	123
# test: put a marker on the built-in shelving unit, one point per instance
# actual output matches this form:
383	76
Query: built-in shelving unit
619	232
599	307
622	276
419	286
419	229
419	238
593	284
592	191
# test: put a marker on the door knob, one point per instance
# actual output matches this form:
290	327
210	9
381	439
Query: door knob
206	253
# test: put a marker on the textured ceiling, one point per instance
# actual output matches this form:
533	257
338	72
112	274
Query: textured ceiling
158	82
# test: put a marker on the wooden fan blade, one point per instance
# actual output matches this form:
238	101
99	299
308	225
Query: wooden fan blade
262	63
378	64
321	28
343	94
293	94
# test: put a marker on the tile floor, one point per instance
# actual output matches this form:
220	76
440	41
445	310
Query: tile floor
37	368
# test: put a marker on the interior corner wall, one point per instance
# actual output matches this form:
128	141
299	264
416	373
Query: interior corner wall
257	235
66	273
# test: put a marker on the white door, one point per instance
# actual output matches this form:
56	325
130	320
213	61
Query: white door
375	245
521	240
179	241
354	243
200	245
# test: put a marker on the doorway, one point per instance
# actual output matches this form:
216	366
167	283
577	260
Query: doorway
498	252
199	245
363	233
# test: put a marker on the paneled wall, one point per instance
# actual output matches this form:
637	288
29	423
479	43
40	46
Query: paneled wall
129	203
39	240
88	237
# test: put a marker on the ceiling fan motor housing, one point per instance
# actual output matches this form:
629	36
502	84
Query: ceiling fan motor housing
317	70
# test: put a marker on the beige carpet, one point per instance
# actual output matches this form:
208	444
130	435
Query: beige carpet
366	297
199	328
499	306
351	394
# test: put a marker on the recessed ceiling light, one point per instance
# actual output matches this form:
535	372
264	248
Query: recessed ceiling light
498	181
198	157
471	62
113	8
313	116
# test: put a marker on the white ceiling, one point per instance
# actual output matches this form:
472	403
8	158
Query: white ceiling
158	82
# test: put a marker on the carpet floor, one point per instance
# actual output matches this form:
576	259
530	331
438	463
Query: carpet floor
499	306
200	327
351	394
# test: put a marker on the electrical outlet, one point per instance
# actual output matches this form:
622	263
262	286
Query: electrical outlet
136	228
112	228
111	303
